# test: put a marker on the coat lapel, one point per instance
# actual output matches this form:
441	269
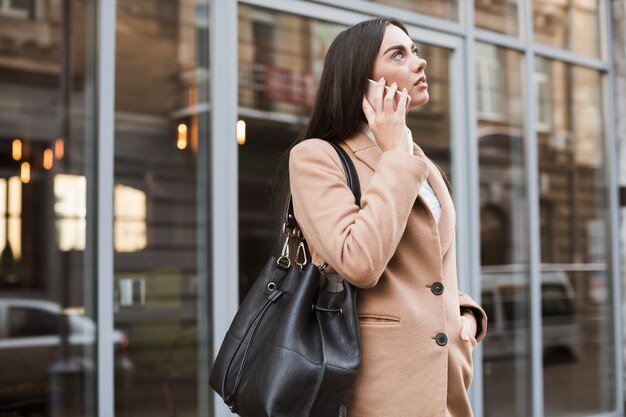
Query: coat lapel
364	149
446	223
369	153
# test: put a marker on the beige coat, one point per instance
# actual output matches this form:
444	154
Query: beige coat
393	250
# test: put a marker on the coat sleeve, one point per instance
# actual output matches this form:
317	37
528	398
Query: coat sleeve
356	242
465	301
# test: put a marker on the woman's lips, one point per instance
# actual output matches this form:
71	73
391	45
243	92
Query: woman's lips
421	83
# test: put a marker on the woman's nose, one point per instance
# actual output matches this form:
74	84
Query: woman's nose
419	64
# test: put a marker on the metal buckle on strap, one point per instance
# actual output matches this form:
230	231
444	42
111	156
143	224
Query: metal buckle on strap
301	253
284	255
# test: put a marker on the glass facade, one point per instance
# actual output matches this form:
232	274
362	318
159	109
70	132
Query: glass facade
524	136
577	320
504	256
499	16
161	132
569	24
444	9
47	297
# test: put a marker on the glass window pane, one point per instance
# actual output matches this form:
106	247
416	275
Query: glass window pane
161	139
568	24
25	5
498	15
503	222
577	311
444	9
48	366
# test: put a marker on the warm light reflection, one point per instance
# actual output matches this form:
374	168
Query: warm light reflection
241	132
11	228
70	192
74	311
130	219
17	149
59	148
25	172
70	207
182	136
48	159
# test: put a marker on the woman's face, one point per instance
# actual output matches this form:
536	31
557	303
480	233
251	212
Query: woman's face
397	61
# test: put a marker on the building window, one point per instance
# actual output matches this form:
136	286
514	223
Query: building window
130	219
489	82
543	93
17	8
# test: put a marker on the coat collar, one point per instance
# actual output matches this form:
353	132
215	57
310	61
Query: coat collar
369	153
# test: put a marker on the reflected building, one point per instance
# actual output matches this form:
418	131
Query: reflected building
540	186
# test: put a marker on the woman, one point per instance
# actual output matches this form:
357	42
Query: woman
398	248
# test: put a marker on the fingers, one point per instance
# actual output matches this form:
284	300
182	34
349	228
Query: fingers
390	98
464	336
380	93
404	101
370	114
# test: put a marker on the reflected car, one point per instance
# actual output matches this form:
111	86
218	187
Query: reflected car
505	299
31	352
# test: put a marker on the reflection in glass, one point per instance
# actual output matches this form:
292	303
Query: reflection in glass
160	146
288	48
70	193
444	9
578	352
130	219
499	16
503	236
47	328
568	24
280	61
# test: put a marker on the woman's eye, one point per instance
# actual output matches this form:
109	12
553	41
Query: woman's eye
415	52
397	56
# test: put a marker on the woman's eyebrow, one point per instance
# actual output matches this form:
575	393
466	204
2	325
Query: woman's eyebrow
399	47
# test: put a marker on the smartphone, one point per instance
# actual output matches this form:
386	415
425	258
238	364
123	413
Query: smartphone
371	91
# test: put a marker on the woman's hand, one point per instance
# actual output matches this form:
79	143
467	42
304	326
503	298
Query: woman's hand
468	326
387	124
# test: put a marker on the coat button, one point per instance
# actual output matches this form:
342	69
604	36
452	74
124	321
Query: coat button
437	288
441	339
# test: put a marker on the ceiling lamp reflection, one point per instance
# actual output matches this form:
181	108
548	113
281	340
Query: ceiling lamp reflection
182	136
59	148
17	149
25	172
48	159
241	132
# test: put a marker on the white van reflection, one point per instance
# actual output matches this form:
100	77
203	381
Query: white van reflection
505	298
30	345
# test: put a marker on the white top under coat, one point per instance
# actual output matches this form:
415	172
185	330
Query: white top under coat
426	191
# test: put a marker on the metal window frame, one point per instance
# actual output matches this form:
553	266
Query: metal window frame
224	168
534	236
449	34
468	222
611	157
104	177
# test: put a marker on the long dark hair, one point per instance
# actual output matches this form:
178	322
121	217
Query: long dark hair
349	62
337	111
